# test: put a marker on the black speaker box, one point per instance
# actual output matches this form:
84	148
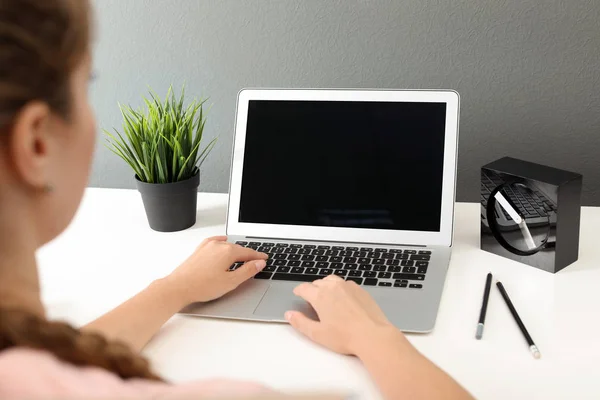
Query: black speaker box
530	213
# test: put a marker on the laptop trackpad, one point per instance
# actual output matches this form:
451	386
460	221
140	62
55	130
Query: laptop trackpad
279	299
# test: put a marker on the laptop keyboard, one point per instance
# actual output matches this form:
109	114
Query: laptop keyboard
530	205
398	268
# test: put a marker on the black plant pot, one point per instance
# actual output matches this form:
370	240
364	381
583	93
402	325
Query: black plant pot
170	207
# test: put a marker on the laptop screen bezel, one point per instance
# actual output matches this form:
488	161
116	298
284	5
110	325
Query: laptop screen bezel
335	234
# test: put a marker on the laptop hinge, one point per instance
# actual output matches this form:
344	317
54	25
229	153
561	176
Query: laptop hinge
333	241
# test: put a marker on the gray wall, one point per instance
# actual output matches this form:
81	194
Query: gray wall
527	71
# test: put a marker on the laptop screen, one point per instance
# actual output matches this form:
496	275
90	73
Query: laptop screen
344	164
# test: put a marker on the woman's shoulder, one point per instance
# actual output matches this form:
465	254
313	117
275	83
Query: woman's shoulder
35	374
38	374
19	360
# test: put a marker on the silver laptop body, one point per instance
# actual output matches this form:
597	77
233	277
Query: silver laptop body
357	183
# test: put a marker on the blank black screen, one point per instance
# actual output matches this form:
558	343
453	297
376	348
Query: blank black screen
372	165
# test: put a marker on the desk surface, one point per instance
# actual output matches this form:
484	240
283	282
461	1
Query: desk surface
109	253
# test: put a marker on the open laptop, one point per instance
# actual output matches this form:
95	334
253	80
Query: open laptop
356	183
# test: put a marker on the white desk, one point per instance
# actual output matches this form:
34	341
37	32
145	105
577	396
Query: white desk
109	254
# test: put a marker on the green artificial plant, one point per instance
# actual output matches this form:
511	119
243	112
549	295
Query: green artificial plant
162	142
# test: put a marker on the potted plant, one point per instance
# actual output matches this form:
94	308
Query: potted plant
162	144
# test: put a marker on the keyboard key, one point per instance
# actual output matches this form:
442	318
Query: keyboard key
394	268
351	266
282	245
407	263
409	270
389	284
270	261
263	275
296	245
241	243
395	251
378	261
369	274
424	252
374	255
392	262
420	257
352	248
326	271
410	277
363	260
350	260
367	249
384	275
290	250
331	253
415	286
388	256
323	247
421	264
268	244
402	256
370	282
340	272
379	268
310	246
280	262
422	270
354	273
317	252
381	250
307	257
357	280
336	266
294	256
264	249
321	258
336	259
364	267
297	270
235	266
337	248
410	252
303	251
308	264
254	244
280	256
283	269
294	263
278	250
346	253
400	284
360	254
295	277
322	264
311	271
269	268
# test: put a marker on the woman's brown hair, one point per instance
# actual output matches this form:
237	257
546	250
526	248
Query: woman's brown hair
41	43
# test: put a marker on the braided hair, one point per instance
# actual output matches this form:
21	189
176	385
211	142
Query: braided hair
41	43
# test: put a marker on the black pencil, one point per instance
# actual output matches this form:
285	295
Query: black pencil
486	296
532	347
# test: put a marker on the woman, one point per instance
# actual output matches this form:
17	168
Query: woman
46	145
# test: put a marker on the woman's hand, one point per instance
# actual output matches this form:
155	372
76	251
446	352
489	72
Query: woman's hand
350	320
205	275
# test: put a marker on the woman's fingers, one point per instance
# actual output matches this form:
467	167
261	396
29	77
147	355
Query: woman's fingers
247	271
303	324
245	254
307	291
